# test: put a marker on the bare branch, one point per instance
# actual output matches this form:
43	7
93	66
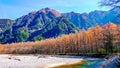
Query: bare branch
110	3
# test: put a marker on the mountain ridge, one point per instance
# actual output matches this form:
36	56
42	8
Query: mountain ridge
47	23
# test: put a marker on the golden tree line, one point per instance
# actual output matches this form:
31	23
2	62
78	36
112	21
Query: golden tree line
93	40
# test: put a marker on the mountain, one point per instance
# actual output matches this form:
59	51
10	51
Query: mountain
5	24
36	20
80	20
37	25
113	16
59	26
86	20
47	23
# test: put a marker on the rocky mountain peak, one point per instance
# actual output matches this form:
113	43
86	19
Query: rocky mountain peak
49	10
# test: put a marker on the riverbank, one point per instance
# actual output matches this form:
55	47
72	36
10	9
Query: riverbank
111	61
55	61
69	65
35	61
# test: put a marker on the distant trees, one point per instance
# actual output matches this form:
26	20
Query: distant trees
39	37
6	36
20	35
97	39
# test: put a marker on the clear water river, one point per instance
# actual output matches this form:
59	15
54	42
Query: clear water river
90	63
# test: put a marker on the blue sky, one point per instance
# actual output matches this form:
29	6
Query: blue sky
13	9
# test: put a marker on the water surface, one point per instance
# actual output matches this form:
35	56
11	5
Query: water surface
92	63
87	63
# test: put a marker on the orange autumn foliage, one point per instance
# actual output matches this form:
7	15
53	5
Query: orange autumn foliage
85	41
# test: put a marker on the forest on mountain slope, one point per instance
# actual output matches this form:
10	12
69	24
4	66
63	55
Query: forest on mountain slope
48	23
5	24
102	40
